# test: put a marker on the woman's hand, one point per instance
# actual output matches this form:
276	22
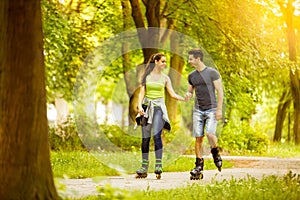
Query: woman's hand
141	110
180	98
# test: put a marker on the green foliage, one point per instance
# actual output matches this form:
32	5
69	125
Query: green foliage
246	39
270	187
64	137
72	31
283	150
241	137
129	139
82	164
184	163
78	164
122	139
109	193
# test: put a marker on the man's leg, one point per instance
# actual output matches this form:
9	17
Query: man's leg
198	146
196	173
198	133
212	140
211	127
215	150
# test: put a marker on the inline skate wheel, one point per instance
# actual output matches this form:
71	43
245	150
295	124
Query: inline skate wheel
141	176
158	176
200	176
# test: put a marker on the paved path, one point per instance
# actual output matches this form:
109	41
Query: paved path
250	166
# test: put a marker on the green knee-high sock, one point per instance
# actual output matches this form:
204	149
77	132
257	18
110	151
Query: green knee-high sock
158	163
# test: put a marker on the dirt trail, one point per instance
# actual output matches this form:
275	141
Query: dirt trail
243	167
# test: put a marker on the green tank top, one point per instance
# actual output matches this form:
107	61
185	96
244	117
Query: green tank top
155	89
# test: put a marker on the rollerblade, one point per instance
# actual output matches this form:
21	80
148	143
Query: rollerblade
217	158
196	173
158	170
142	172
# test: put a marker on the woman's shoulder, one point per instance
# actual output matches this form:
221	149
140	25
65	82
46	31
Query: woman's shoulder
165	77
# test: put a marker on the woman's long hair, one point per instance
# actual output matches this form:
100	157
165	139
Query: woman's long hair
150	65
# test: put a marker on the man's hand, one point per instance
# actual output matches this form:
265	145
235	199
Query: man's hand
219	114
188	96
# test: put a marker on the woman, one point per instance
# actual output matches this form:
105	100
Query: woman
152	91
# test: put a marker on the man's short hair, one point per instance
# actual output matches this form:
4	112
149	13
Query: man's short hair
197	53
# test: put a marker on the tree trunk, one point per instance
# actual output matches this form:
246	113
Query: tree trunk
295	84
294	71
25	169
147	37
283	105
289	127
129	77
177	63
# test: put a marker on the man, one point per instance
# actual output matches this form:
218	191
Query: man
205	81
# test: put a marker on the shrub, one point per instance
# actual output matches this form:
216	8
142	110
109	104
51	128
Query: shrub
127	140
242	137
65	137
107	137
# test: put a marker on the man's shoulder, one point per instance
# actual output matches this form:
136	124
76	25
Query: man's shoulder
212	71
192	72
211	68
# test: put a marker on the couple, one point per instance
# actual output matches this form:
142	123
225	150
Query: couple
207	110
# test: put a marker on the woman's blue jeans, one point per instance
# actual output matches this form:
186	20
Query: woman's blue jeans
156	129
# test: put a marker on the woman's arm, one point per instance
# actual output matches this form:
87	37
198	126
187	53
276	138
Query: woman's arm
140	100
171	90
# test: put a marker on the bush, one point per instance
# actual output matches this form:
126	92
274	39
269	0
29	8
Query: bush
243	138
128	141
65	137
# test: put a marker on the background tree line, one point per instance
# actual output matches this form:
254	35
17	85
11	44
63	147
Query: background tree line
254	45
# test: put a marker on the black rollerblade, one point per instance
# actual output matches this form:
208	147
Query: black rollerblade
217	158
142	172
196	173
158	168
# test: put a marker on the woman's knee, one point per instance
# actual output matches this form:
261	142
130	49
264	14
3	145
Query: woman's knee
157	137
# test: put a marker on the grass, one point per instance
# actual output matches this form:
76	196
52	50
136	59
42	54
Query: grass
80	164
271	187
282	150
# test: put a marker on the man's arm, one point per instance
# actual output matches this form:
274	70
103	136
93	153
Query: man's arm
219	89
189	93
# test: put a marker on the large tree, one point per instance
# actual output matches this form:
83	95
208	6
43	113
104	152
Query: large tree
292	94
25	169
294	71
158	14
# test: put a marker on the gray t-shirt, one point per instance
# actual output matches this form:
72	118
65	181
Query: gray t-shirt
204	88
